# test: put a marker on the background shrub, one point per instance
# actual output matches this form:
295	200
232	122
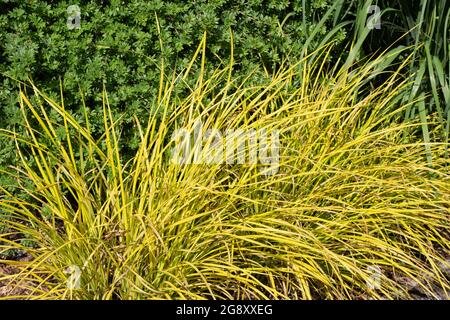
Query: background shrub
118	44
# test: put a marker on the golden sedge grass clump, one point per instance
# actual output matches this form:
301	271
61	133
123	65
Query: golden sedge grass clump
347	195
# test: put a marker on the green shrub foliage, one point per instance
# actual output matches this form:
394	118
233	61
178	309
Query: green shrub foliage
118	44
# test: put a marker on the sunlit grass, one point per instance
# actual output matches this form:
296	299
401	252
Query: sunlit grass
348	195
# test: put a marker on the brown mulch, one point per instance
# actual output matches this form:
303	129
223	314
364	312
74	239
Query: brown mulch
9	288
